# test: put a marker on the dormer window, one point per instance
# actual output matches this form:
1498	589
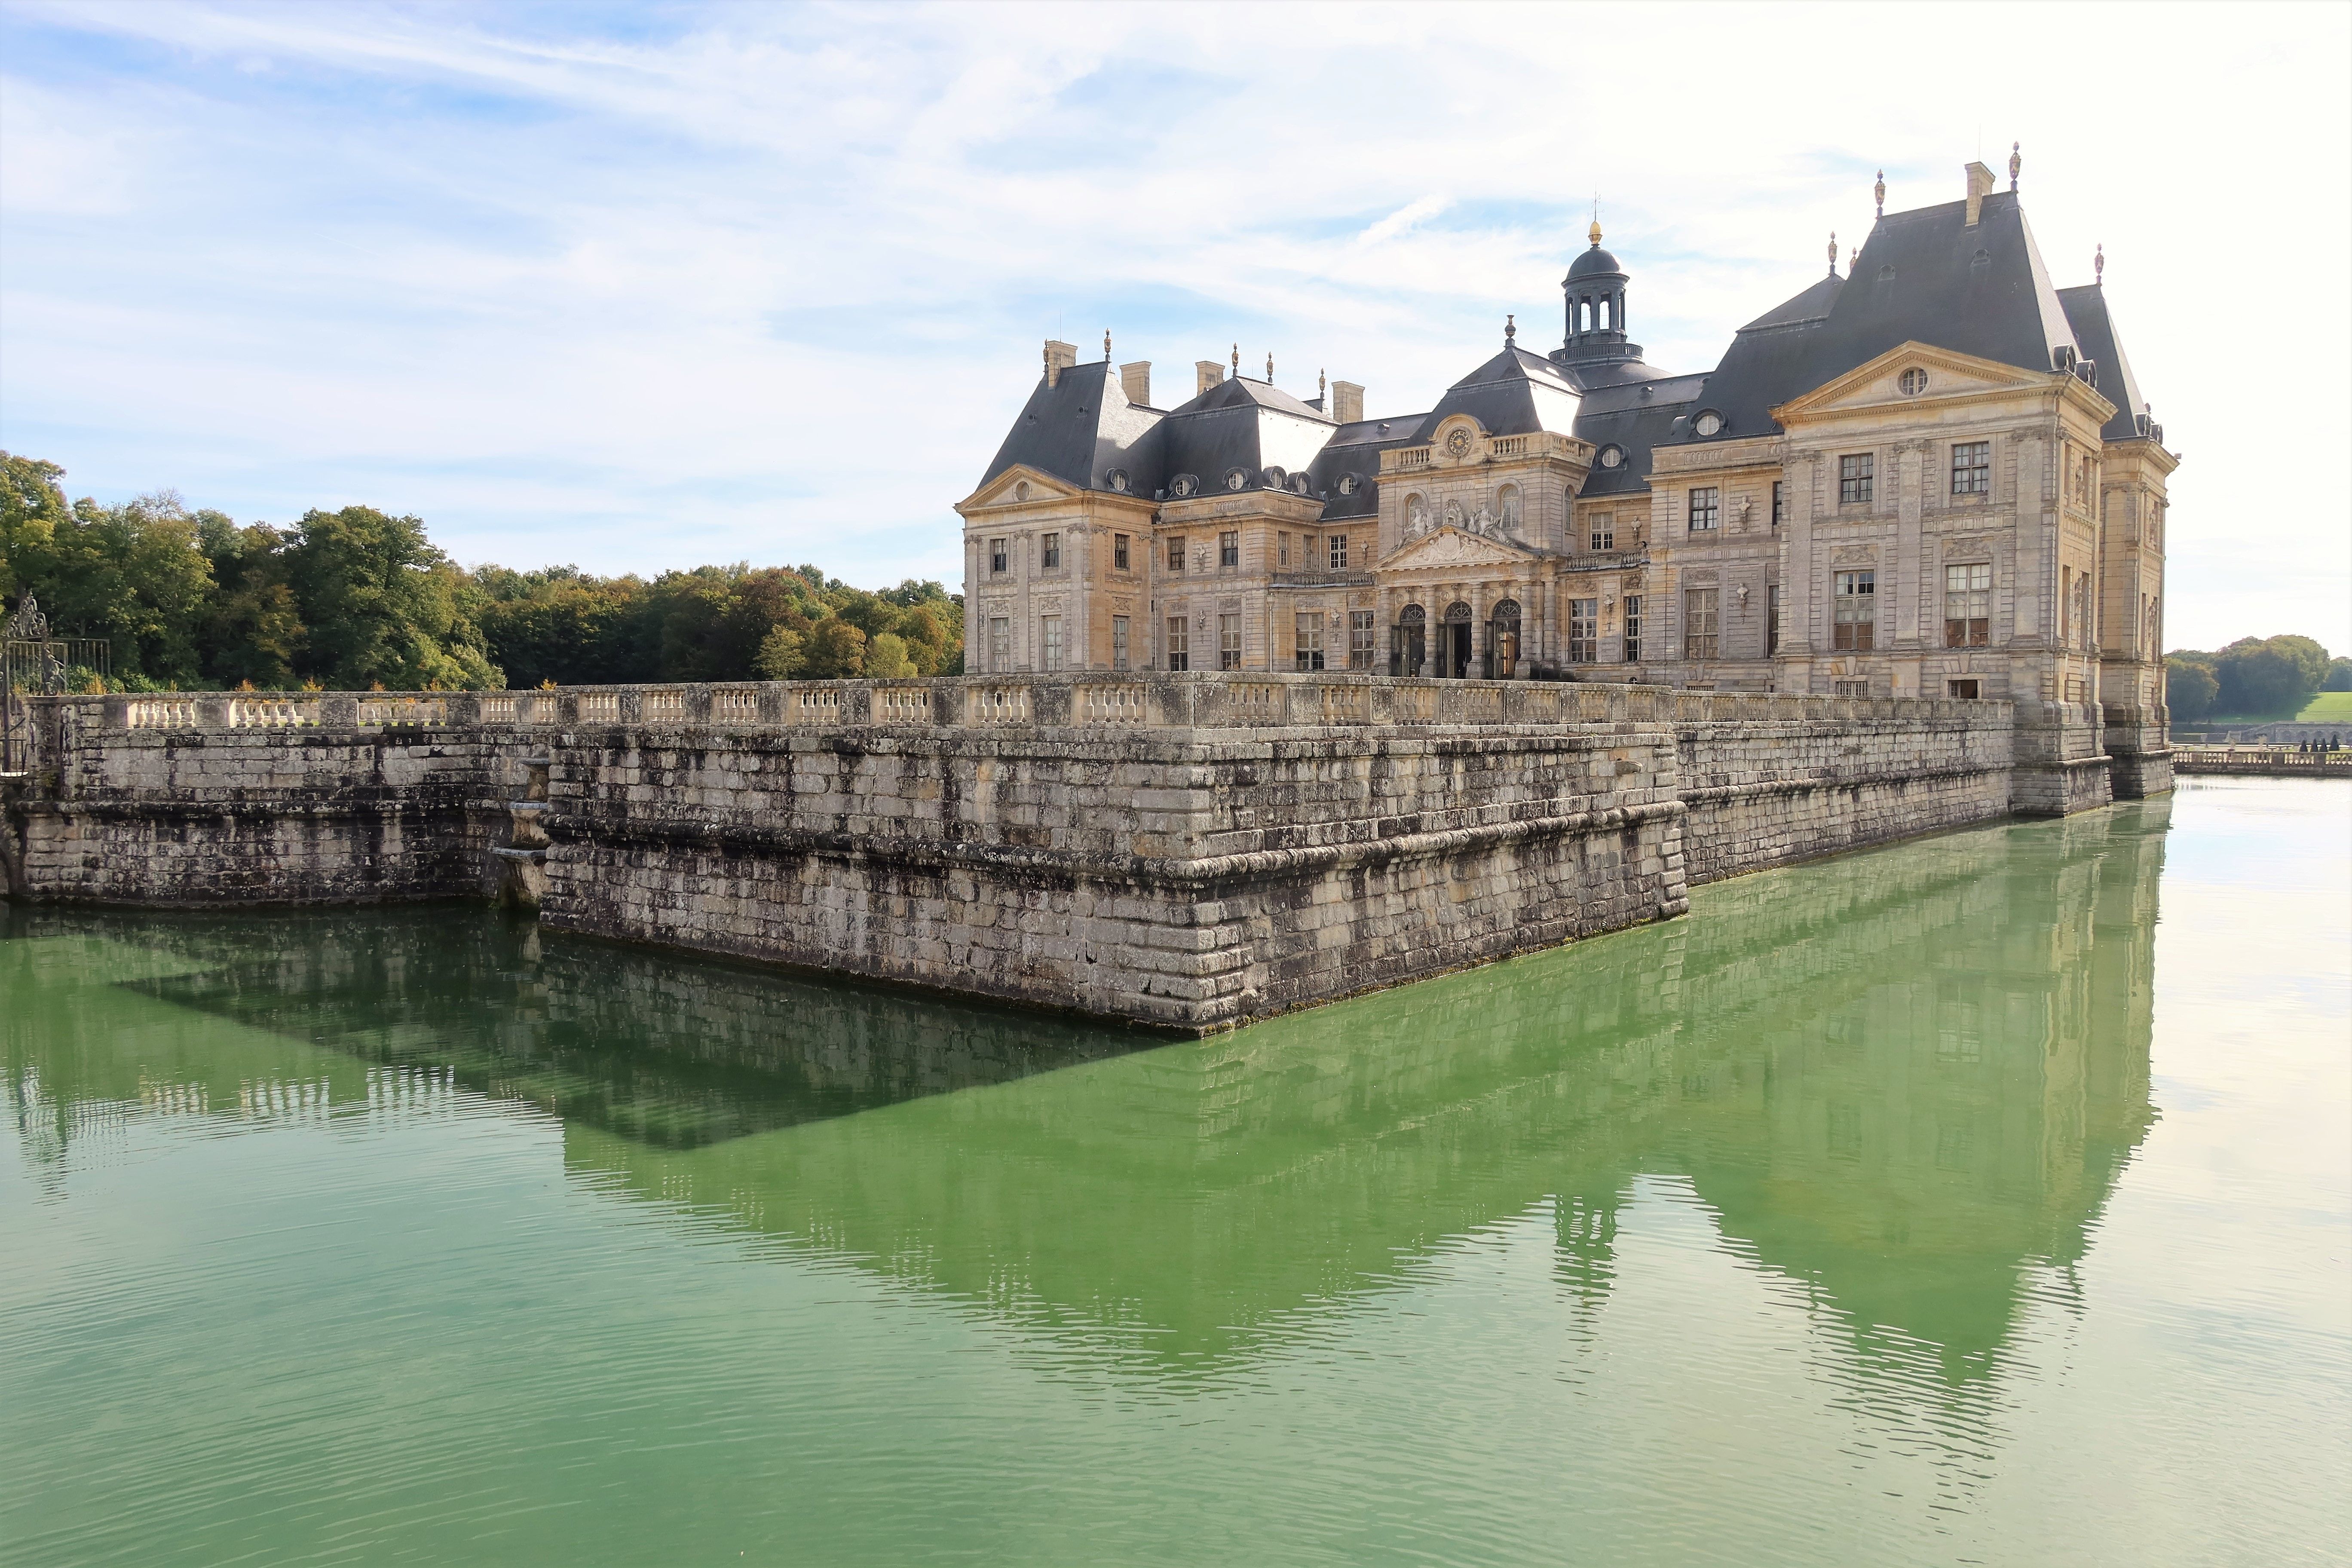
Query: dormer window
1708	422
1236	479
1183	484
1274	477
1118	477
1612	457
1347	484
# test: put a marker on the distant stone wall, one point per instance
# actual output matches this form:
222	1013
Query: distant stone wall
1187	851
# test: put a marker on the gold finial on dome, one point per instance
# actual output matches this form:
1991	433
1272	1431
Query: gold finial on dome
1595	231
1878	193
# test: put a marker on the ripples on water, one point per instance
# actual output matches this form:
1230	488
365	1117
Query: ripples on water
1933	1204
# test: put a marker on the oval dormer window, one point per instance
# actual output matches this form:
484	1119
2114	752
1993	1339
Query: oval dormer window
1235	478
1612	457
1299	483
1913	382
1347	484
1118	477
1708	422
1183	484
1274	477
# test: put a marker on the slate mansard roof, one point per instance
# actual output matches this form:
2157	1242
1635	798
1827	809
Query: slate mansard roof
1924	275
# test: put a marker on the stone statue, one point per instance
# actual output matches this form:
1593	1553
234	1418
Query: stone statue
1416	520
1454	514
1482	521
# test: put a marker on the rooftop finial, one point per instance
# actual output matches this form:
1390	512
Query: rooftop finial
1510	328
1237	359
1833	253
2015	163
1878	193
1852	255
1595	230
1105	345
1269	370
1320	388
2099	265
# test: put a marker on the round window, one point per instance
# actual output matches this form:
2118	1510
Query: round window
1119	480
1184	484
1710	423
1237	477
1913	382
1020	490
1347	484
1612	457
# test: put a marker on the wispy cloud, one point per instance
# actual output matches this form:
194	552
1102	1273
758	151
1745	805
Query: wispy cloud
645	286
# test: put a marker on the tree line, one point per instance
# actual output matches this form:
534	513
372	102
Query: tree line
357	599
2253	677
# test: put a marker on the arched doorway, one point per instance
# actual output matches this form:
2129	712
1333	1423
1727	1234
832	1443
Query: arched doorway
1409	641
1503	641
1454	643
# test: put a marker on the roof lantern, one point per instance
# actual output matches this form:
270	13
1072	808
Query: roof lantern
1595	291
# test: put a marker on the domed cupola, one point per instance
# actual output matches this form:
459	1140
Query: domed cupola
1595	287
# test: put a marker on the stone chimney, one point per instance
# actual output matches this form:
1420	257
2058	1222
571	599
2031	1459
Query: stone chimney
1347	402
1059	357
1206	373
1979	187
1135	380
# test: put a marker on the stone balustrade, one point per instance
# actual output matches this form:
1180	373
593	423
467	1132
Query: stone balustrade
1145	700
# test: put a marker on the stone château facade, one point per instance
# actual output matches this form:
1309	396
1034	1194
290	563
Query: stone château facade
1933	476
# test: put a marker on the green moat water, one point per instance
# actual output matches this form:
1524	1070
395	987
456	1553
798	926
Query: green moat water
1984	1199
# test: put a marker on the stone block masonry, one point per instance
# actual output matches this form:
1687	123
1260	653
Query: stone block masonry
1186	852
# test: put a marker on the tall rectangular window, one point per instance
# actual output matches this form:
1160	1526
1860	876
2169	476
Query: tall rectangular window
999	557
1853	618
1229	549
1309	625
1705	508
1282	550
1175	553
1633	628
1604	532
1178	655
1339	552
1971	467
1229	642
1700	622
1118	641
1119	552
1780	503
1049	642
1857	477
1050	551
1771	619
1967	605
1360	639
999	644
1583	630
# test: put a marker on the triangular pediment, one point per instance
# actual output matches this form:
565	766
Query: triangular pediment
1450	547
1019	485
1878	384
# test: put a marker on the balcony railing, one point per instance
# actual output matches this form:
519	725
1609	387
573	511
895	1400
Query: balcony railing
1339	579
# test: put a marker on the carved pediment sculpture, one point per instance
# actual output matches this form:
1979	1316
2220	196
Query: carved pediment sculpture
1451	547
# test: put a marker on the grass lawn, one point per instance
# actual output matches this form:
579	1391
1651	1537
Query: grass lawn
2329	708
2325	708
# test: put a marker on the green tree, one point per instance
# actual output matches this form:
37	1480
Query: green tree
886	658
2339	676
2190	689
2262	676
251	630
383	606
782	653
835	649
32	510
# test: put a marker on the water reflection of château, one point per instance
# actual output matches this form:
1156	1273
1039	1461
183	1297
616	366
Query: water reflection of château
1899	1078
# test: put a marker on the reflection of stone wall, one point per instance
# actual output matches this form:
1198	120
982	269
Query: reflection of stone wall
1900	1077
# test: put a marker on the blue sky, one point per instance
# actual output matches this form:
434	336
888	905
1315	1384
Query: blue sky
640	287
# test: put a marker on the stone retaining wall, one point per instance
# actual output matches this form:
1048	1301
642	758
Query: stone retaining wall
1183	851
